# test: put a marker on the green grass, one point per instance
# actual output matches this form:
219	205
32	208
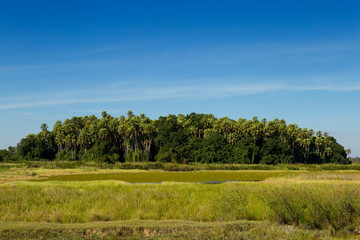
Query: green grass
289	204
174	166
162	176
175	229
199	176
334	206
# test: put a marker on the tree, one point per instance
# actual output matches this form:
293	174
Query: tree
348	151
181	139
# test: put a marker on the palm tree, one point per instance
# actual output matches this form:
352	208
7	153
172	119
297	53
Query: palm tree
59	136
147	129
348	151
319	142
225	126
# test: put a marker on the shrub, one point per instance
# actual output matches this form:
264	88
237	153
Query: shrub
288	204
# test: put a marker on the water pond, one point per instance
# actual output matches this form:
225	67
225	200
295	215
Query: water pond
159	176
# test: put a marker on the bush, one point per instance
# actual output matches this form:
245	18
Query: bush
288	204
337	208
269	159
319	207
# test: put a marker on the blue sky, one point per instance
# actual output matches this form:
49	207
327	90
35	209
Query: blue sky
275	59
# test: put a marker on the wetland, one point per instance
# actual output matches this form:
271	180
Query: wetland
95	203
163	176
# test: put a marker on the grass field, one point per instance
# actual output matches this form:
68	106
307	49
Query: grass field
148	229
175	229
285	204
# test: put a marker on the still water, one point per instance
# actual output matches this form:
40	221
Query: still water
159	176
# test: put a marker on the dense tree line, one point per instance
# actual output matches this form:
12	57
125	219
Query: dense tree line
182	139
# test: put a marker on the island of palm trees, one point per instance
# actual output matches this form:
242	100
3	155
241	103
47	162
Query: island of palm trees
192	138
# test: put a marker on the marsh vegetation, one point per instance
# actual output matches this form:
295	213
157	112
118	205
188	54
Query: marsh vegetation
291	204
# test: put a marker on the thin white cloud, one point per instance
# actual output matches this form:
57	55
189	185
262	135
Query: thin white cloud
25	113
274	87
60	65
113	94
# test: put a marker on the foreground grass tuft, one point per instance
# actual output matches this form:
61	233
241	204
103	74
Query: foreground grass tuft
158	230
